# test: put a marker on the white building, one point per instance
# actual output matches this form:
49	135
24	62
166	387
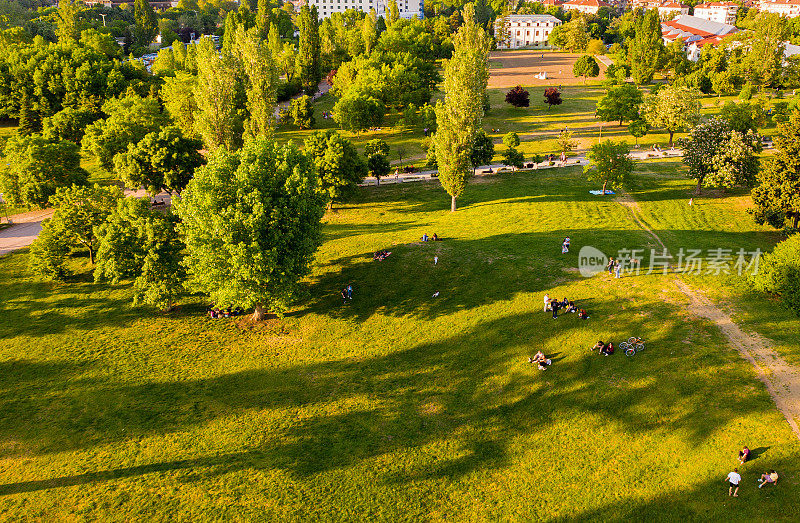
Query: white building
584	6
407	8
527	30
695	33
671	9
721	12
787	8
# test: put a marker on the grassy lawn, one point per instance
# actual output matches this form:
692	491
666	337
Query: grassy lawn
399	406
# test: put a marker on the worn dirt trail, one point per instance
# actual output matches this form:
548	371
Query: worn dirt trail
781	379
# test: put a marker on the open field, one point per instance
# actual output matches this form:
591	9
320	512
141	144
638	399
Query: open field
511	68
399	406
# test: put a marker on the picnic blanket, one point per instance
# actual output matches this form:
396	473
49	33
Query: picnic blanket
599	193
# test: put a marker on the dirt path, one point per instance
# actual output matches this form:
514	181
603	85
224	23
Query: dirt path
781	379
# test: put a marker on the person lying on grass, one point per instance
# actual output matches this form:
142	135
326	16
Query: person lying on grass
768	478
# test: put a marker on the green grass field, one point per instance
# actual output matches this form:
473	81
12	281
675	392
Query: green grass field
399	406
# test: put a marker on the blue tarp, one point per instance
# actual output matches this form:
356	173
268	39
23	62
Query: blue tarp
600	193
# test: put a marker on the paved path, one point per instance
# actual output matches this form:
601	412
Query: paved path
24	229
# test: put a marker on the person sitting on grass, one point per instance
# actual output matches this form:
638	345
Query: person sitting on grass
598	346
744	454
768	478
583	314
607	350
541	360
425	237
435	237
564	303
571	307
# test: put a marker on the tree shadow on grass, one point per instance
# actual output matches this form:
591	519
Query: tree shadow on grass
433	392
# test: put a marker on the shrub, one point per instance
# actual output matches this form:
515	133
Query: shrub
518	97
779	273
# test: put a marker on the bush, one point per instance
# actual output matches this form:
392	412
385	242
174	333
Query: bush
518	97
357	112
779	273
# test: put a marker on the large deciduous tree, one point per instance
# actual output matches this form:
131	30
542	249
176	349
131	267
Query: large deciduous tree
621	103
672	108
129	120
377	154
777	193
146	27
482	150
161	161
33	168
339	166
251	224
717	156
459	116
137	242
609	163
78	211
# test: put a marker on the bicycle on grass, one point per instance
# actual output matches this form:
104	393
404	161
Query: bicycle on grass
632	346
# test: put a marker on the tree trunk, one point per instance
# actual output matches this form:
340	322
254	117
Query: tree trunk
452	204
796	220
604	187
259	313
670	137
377	181
699	186
91	255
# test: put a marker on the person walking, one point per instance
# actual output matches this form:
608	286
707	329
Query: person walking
733	480
546	301
349	292
610	266
617	269
435	260
555	306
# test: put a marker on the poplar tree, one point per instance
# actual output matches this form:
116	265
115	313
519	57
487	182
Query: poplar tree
307	65
460	115
647	48
146	25
261	80
369	31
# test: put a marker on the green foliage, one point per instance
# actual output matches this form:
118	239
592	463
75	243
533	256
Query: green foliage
482	149
779	273
251	224
357	112
672	108
137	242
747	92
571	36
34	168
743	116
720	157
68	124
777	195
646	50
261	79
377	153
129	120
610	164
565	142
513	158
459	116
220	98
161	161
146	27
621	103
338	164
585	66
78	211
638	128
177	94
301	111
511	140
307	66
67	21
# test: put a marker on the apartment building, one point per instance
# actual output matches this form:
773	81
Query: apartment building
407	8
584	6
527	30
787	8
720	12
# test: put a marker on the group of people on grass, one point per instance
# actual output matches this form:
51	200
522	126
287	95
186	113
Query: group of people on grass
568	306
434	238
614	267
216	312
606	349
347	293
381	255
734	478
